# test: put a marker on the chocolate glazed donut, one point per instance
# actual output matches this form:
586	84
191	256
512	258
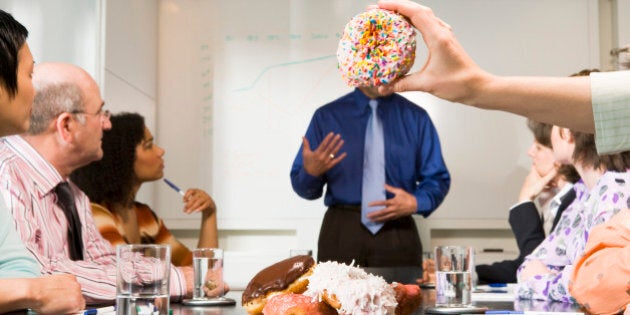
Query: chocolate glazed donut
289	275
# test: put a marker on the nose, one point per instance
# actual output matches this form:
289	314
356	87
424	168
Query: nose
107	124
161	151
531	151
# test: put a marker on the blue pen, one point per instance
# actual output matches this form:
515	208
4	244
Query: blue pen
168	182
95	311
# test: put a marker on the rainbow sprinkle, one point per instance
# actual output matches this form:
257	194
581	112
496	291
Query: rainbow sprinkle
377	47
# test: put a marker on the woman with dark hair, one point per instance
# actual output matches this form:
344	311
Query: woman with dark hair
21	283
131	158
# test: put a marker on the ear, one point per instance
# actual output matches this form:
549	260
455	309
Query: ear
567	135
64	125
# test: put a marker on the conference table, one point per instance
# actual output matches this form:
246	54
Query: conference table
428	300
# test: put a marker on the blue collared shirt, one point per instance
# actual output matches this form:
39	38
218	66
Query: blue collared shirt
413	157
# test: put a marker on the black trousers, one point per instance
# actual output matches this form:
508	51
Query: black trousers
343	238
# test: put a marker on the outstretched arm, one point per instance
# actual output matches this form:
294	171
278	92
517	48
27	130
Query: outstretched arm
451	74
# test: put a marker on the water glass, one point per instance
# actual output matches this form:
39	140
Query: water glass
142	279
454	268
208	270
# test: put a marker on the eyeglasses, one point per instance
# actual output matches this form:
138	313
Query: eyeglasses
101	112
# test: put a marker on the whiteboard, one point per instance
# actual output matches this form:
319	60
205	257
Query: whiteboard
240	80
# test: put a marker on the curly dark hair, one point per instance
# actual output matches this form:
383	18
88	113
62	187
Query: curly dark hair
110	180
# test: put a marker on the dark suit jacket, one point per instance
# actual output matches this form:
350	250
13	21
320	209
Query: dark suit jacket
528	230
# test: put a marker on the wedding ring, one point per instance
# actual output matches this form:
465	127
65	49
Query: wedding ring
332	156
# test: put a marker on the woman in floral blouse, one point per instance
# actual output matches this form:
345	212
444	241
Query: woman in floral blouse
603	191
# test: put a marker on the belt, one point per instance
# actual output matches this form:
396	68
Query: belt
354	208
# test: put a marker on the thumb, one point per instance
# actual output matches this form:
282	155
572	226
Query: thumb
306	146
391	189
410	82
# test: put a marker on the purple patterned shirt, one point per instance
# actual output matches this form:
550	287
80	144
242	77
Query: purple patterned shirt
566	242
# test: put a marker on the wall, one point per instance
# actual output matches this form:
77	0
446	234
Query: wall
235	98
130	64
62	31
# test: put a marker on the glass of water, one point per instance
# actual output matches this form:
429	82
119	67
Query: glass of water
208	270
142	279
454	268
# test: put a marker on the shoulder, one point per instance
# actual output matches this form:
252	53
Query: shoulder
7	155
614	187
144	211
12	167
408	111
101	214
98	209
337	104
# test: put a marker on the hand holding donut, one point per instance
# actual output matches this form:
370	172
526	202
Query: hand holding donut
449	73
325	157
377	46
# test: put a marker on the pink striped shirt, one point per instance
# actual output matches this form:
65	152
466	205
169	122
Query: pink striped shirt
27	181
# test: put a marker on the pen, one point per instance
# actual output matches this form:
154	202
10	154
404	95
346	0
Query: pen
168	182
95	311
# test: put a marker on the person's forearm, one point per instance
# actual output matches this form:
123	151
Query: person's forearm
16	294
560	101
208	236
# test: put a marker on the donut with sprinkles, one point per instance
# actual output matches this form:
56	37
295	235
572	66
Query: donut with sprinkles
377	46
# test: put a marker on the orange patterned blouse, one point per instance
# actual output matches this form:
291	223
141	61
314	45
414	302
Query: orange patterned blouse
601	279
152	231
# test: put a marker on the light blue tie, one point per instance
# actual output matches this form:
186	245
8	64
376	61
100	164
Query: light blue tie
373	187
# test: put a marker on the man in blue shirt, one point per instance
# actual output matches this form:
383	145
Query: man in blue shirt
416	180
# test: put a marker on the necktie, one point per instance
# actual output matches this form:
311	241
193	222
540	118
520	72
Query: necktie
65	200
373	187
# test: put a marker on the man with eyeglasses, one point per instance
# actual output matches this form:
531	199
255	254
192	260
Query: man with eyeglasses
52	215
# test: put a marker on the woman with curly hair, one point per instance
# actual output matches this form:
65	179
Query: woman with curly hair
131	158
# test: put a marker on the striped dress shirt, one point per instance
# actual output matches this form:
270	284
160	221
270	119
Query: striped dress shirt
27	181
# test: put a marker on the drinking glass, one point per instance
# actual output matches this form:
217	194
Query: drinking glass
142	279
454	268
208	270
